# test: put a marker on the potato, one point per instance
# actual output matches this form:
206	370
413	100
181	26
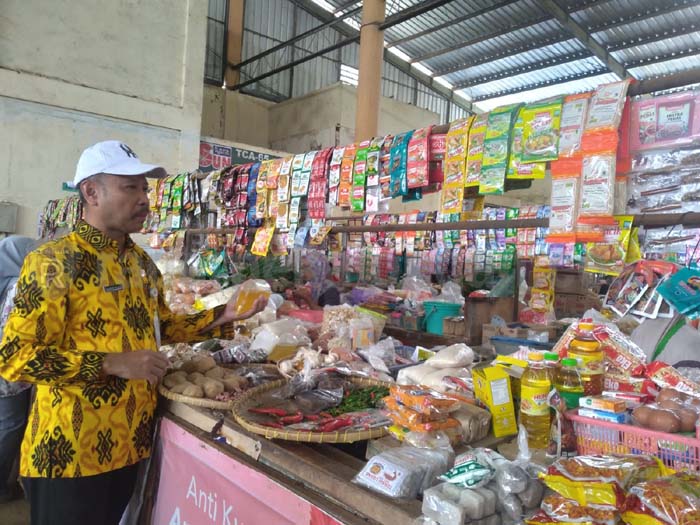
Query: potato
203	363
216	373
212	388
194	376
188	367
180	387
233	383
664	421
641	415
193	391
174	379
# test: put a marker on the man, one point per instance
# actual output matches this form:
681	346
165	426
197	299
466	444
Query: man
14	397
88	319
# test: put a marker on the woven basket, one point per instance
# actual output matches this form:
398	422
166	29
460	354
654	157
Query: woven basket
195	401
250	397
211	403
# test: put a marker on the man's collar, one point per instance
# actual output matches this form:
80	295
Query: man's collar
97	239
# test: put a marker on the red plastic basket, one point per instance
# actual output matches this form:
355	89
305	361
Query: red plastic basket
601	437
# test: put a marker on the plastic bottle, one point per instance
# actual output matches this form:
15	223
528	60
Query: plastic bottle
585	348
568	383
534	410
249	293
551	363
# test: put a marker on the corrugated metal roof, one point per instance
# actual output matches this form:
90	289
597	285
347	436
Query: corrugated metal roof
492	50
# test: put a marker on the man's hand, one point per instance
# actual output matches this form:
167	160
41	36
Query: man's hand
229	315
142	364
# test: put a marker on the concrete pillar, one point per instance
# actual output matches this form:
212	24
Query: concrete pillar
234	40
370	70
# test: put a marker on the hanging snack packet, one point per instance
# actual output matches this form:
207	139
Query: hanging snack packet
608	256
606	107
417	164
334	172
399	158
385	168
452	197
263	238
347	164
298	162
597	186
357	197
373	154
273	174
541	131
496	149
573	117
475	149
565	193
283	187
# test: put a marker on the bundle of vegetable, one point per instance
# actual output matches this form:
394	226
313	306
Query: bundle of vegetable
360	399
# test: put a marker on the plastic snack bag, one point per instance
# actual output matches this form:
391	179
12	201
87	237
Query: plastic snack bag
606	107
573	117
674	499
597	186
541	131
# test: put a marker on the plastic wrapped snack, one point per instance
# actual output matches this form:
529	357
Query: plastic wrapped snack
601	481
452	505
674	499
567	511
474	469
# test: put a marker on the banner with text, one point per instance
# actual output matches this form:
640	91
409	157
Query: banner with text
200	485
216	156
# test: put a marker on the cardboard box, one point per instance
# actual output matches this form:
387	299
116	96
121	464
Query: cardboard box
488	331
602	415
606	404
492	388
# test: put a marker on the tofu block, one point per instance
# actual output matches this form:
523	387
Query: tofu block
474	504
439	507
490	500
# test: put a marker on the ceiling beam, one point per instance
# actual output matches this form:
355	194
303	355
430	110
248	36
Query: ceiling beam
691	51
658	36
573	27
400	64
448	23
412	12
480	38
543	83
666	7
527	68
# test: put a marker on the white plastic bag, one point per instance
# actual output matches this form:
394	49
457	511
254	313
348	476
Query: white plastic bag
455	356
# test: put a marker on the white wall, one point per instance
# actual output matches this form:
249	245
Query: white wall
75	73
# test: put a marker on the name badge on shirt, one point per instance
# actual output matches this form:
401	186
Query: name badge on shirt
114	288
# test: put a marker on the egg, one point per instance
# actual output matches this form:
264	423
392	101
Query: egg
670	393
641	415
688	419
663	421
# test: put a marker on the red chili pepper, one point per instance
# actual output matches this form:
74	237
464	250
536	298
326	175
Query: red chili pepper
292	419
335	424
273	425
325	415
312	417
279	412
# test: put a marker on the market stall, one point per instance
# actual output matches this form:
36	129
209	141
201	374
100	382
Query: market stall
473	354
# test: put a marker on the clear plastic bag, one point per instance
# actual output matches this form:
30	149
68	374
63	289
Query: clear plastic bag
597	186
381	355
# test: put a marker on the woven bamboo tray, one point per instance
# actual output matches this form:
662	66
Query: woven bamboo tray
211	403
249	399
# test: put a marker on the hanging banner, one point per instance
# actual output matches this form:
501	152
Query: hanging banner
200	484
214	156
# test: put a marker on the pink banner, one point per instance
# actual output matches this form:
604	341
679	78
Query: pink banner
199	485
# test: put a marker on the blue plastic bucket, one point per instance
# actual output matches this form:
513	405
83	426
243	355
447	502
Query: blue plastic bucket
435	312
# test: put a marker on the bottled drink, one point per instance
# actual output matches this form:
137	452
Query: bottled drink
568	383
551	363
585	348
534	410
249	293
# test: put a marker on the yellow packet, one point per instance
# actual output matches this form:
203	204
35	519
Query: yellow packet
609	255
475	149
263	238
541	122
452	198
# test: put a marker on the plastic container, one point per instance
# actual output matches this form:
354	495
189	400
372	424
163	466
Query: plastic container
249	293
509	345
534	409
585	348
435	312
551	364
596	437
568	383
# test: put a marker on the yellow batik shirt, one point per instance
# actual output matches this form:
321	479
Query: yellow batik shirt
78	299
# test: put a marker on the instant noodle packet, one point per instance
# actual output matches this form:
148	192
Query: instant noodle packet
541	123
424	400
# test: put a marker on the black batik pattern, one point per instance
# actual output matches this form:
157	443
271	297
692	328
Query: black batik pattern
41	331
29	295
92	235
57	396
143	434
195	319
77	418
105	445
47	365
137	317
130	407
96	324
106	391
83	268
53	454
9	348
91	366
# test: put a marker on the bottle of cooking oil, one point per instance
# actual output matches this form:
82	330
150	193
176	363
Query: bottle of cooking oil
585	348
551	364
534	410
568	383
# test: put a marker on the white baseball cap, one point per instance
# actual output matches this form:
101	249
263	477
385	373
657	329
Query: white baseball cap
114	158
